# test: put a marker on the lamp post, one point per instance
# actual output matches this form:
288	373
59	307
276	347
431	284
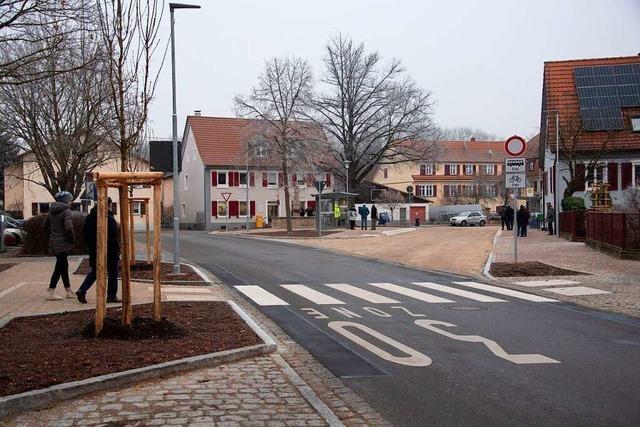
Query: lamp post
319	183
346	186
176	177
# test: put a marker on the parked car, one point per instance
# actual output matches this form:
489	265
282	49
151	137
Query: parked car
383	218
13	236
468	218
11	222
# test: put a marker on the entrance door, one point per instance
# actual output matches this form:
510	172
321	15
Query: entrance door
417	212
272	211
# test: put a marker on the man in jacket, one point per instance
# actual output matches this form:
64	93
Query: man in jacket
523	221
374	216
364	213
508	213
551	218
90	231
58	227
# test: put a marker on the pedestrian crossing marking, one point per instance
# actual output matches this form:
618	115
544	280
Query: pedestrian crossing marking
312	295
575	291
460	292
260	296
552	282
505	291
422	296
362	293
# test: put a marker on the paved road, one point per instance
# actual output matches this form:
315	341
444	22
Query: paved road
434	349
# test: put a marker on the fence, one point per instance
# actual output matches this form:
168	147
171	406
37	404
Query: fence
572	225
617	233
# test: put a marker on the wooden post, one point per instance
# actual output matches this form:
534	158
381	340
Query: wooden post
157	257
125	267
101	258
146	223
132	234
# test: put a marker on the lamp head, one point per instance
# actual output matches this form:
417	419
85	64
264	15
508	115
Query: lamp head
173	6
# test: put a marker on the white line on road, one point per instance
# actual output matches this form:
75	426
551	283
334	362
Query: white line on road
552	282
362	293
575	291
312	295
422	296
505	291
260	296
460	292
13	288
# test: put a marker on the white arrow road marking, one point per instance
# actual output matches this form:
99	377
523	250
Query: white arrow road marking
362	293
505	291
312	295
422	296
460	292
415	358
260	296
493	346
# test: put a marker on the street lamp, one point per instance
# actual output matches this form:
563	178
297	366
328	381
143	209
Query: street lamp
346	186
319	183
176	177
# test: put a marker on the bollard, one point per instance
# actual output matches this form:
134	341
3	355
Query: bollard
417	222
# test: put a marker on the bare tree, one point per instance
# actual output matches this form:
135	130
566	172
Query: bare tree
391	200
373	114
464	133
128	30
277	104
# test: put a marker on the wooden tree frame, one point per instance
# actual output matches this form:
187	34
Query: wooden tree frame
122	181
132	237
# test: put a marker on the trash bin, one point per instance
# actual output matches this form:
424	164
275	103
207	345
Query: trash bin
259	221
417	221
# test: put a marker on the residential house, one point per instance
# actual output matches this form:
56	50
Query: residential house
466	172
220	188
597	105
532	195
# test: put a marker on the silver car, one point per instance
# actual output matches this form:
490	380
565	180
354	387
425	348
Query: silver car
469	218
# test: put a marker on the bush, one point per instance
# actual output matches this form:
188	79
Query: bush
572	204
36	243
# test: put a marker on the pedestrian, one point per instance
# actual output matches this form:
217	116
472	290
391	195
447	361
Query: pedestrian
364	213
58	226
509	213
353	217
522	218
374	216
551	218
502	216
90	232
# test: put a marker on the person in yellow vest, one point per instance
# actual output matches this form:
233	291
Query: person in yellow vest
336	212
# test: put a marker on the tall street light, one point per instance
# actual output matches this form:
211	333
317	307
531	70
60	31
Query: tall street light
346	164
176	176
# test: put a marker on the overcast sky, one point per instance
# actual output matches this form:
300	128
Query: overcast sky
482	60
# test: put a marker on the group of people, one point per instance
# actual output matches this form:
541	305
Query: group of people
58	226
364	213
522	217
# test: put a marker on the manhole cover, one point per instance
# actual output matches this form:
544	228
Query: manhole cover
463	308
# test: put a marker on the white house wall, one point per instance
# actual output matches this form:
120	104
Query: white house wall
192	210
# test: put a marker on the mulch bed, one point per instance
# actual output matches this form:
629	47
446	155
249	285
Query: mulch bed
41	351
294	233
529	268
141	270
6	266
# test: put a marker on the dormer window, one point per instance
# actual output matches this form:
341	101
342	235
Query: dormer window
635	124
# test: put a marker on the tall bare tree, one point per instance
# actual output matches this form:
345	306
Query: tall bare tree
464	133
373	114
278	104
128	30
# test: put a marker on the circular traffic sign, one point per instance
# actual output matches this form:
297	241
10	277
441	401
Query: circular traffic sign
515	145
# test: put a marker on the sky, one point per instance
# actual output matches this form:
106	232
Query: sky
481	60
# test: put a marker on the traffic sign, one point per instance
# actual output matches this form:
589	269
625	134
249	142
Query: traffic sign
515	165
515	180
515	145
226	196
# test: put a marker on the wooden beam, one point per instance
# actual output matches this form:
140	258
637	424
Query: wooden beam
101	258
157	253
132	234
146	224
127	175
125	267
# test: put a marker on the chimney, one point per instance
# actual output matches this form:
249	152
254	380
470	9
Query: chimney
490	153
197	113
473	139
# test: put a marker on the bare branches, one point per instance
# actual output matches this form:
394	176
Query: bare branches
464	133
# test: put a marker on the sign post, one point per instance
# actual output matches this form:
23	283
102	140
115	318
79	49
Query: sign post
515	178
226	197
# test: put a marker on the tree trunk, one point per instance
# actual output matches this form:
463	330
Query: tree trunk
285	176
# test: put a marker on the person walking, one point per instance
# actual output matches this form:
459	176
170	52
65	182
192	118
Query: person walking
374	216
551	218
502	216
522	218
58	226
353	217
90	232
364	213
509	213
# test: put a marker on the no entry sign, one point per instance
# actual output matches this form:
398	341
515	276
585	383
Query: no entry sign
515	145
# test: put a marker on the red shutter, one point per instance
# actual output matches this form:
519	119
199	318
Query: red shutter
252	179
447	190
214	209
447	170
264	179
280	179
495	169
294	179
474	169
328	179
627	173
552	178
214	178
233	208
435	191
310	178
423	170
252	207
236	179
311	204
612	176
581	182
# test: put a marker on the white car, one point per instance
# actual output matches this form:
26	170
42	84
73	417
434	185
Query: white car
469	218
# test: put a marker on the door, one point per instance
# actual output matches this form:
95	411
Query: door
272	211
417	212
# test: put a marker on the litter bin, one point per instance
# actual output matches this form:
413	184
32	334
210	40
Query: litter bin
259	221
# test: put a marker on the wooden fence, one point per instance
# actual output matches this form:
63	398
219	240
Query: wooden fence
572	225
616	233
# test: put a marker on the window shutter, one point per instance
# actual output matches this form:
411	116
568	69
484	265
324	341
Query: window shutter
447	170
214	178
495	169
328	179
474	169
264	179
612	176
143	208
310	179
252	207
627	172
233	208
581	182
280	179
435	191
235	179
252	179
214	209
552	179
423	170
294	179
447	190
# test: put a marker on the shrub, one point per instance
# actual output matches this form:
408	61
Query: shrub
36	243
572	204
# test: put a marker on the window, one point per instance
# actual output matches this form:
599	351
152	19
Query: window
244	176
487	169
636	175
261	151
272	179
34	209
222	179
242	208
532	165
44	207
301	178
468	169
453	169
137	208
635	124
385	172
193	154
424	190
427	169
490	190
184	210
186	181
596	175
222	209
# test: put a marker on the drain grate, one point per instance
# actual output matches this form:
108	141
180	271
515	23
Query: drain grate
463	308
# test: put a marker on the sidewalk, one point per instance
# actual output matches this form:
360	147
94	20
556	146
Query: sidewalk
281	389
619	278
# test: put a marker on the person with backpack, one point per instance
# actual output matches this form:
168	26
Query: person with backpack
364	213
58	226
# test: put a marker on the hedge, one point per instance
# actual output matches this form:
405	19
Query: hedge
36	243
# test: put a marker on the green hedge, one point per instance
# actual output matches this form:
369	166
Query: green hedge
36	243
572	204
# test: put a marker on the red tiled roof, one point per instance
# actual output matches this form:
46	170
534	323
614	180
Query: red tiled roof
472	151
533	145
559	93
220	140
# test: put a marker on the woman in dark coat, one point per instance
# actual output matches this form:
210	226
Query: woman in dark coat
523	221
59	227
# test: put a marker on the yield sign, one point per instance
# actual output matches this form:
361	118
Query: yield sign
226	196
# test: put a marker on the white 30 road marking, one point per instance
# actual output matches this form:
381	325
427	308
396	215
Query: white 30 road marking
493	346
460	292
505	291
413	358
410	293
260	296
312	295
362	293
